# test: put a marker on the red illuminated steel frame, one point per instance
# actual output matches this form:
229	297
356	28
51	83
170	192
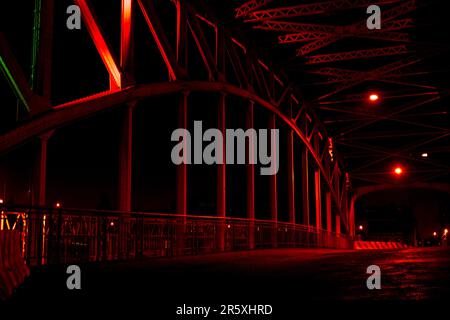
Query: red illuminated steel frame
254	80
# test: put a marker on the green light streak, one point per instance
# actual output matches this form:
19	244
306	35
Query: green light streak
36	41
9	77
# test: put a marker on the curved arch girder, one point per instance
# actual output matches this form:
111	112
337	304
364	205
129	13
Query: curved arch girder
359	192
65	114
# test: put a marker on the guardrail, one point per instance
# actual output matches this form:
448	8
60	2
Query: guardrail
13	269
51	236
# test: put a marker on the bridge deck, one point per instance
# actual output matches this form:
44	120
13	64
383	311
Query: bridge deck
294	278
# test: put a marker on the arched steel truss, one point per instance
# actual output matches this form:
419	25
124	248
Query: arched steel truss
233	69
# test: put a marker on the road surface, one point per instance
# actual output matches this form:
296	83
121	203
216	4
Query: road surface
291	280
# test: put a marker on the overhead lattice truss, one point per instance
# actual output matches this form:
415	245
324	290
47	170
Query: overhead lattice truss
340	61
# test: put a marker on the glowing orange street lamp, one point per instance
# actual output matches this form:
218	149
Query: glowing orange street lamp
398	170
374	97
445	232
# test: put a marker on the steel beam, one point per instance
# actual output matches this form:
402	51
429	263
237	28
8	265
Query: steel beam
103	49
338	225
39	182
222	174
318	197
273	186
160	37
291	177
273	178
359	29
357	54
305	187
250	172
181	189
203	46
250	6
311	9
329	212
221	168
126	40
126	159
68	112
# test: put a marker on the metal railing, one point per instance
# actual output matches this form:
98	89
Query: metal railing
51	236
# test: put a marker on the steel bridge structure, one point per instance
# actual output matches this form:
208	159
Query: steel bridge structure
200	55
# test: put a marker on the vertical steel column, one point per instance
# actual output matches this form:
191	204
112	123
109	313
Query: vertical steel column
39	185
338	225
329	213
351	219
126	159
273	188
291	176
125	178
181	56
182	168
38	197
181	172
221	172
329	221
318	199
220	64
126	141
251	177
181	59
317	186
305	186
221	176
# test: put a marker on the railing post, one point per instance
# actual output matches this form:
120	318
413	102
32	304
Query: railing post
58	236
30	230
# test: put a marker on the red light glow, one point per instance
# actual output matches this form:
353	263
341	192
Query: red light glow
373	97
361	228
398	171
